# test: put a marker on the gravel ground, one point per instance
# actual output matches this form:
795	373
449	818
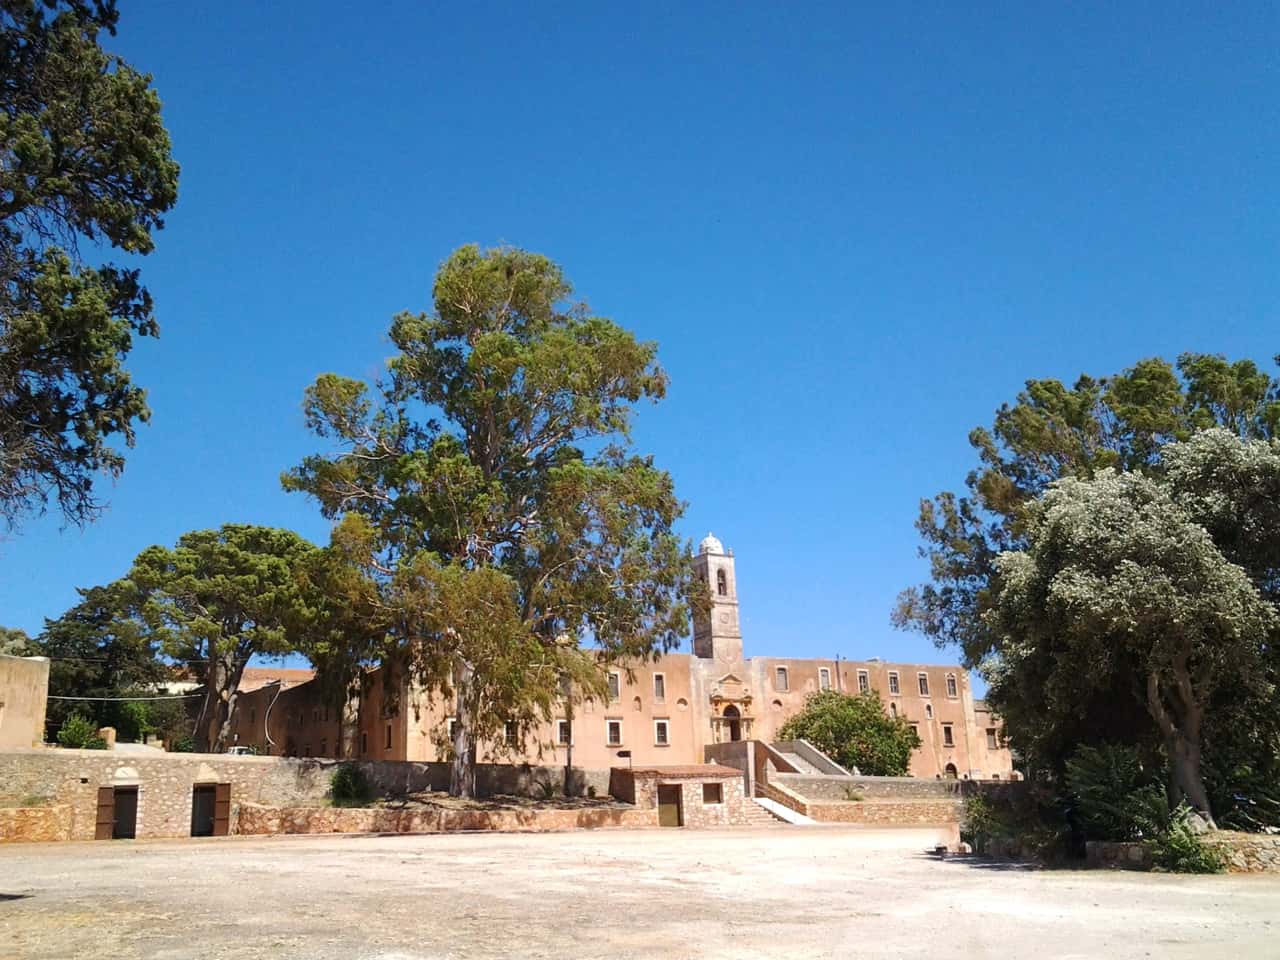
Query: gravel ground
782	892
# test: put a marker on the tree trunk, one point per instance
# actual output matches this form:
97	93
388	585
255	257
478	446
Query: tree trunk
1179	723
568	747
462	773
230	668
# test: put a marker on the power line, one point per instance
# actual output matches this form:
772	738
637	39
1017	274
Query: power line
180	696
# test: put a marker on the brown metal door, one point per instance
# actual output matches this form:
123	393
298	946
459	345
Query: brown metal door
106	813
222	810
669	812
125	821
202	804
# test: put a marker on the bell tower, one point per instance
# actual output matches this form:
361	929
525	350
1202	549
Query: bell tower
716	633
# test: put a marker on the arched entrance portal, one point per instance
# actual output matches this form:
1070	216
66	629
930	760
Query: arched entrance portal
731	717
951	771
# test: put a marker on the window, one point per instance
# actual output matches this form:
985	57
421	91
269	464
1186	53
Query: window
364	741
661	733
511	733
824	679
948	737
864	681
992	742
613	733
928	711
659	688
722	583
712	793
388	736
453	729
564	732
780	679
306	751
951	685
894	687
615	685
893	710
923	680
315	716
324	748
995	776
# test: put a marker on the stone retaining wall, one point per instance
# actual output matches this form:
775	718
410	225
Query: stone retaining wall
869	788
165	781
35	824
887	813
254	819
1245	853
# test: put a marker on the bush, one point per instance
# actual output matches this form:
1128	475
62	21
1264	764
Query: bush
183	744
1114	796
79	733
349	787
1179	849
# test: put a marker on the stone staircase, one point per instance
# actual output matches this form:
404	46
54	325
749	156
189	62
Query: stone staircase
759	815
800	763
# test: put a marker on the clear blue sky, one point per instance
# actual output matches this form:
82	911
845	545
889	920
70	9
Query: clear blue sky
853	232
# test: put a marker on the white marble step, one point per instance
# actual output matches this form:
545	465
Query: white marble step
781	812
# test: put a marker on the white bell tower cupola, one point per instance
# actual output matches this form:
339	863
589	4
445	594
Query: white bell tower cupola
716	632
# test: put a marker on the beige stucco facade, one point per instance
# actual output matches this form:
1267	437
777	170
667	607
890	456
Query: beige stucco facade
664	713
24	696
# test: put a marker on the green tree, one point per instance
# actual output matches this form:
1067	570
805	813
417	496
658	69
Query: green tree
86	158
218	598
1119	590
1052	431
15	642
99	649
507	522
855	731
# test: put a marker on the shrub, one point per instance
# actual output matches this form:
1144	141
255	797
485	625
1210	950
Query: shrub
1179	849
183	744
78	733
855	731
1114	796
349	787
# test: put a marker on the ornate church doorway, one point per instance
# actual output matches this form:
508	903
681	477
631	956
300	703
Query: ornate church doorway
731	717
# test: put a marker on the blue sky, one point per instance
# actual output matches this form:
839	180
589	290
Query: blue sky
854	232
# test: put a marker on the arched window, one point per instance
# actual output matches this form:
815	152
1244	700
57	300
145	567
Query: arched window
893	710
928	711
722	583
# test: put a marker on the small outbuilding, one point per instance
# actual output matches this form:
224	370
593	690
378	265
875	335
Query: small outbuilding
697	795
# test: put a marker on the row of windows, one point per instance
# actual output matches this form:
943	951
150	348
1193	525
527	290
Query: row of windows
781	681
949	737
659	687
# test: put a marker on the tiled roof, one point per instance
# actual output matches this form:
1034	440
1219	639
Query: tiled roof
687	772
256	677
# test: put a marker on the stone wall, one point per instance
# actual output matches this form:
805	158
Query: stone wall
33	824
868	788
1245	853
262	820
1249	852
887	813
165	782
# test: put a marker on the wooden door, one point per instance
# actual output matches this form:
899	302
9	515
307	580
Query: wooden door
126	813
202	804
106	813
669	812
222	810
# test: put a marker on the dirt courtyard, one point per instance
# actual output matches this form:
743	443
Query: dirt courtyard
783	892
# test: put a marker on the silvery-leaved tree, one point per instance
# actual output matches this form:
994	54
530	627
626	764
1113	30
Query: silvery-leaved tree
516	540
1118	590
